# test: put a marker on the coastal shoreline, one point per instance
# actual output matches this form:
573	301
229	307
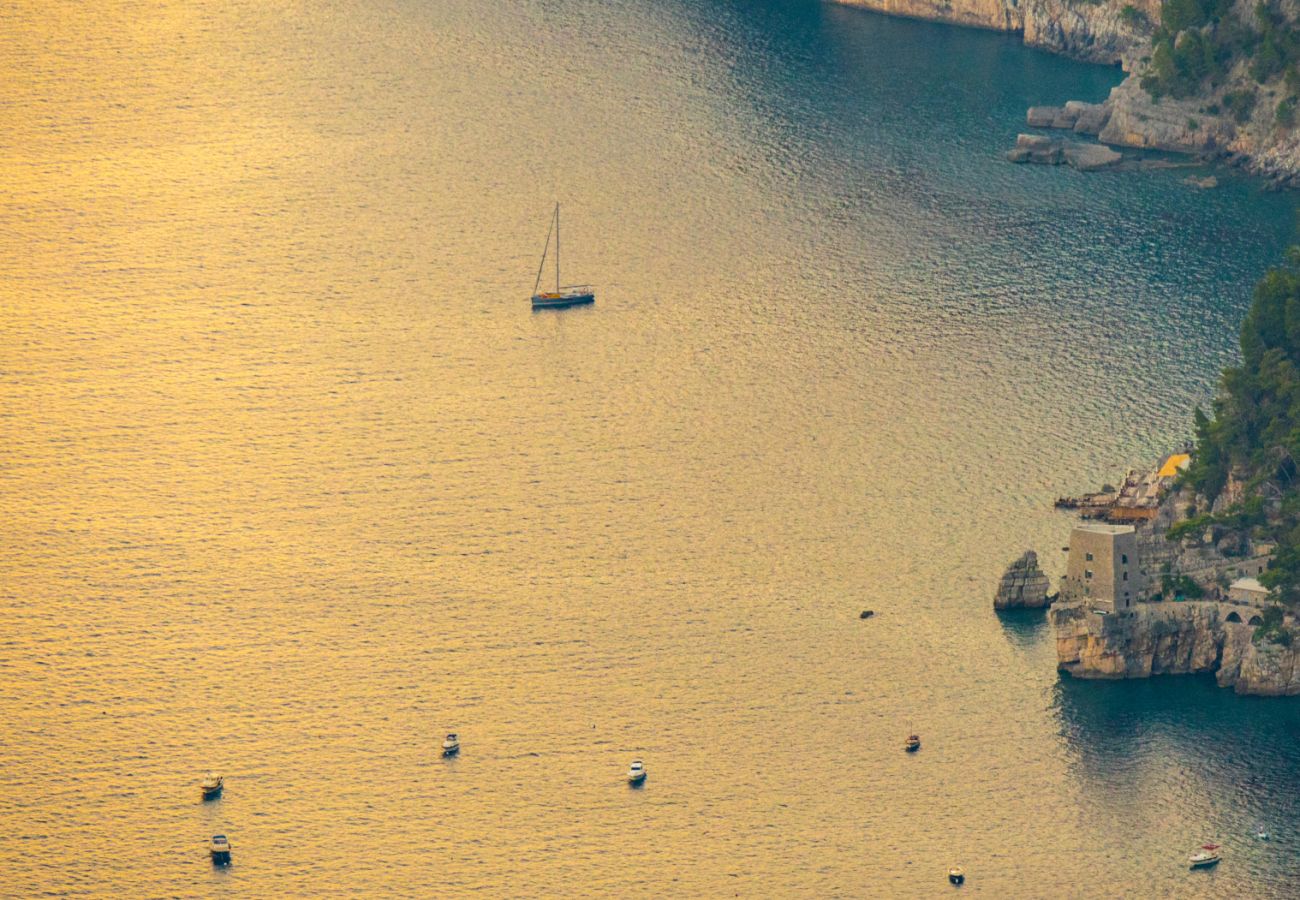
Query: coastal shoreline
1145	595
1187	638
1096	33
1118	32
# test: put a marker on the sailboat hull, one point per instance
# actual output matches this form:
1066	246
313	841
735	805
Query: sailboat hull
561	299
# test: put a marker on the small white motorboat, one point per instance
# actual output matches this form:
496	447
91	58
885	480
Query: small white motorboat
956	875
636	773
913	743
219	847
212	786
1261	833
451	746
1207	856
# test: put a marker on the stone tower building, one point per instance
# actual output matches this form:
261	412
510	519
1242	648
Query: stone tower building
1103	569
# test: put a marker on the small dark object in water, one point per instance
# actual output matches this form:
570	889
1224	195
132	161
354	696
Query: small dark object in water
956	875
913	743
867	614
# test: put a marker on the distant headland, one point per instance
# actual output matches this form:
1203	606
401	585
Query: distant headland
1194	566
1205	77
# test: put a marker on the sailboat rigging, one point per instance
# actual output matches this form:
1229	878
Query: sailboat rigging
572	295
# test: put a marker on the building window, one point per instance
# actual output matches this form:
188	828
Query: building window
1087	573
1088	557
1126	576
1123	558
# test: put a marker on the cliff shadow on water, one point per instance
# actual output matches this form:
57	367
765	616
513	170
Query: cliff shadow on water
1145	744
1024	629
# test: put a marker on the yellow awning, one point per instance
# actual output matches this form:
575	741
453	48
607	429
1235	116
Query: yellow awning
1173	464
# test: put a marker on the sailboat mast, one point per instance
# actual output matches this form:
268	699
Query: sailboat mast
541	267
557	248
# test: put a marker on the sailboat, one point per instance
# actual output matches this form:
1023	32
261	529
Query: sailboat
571	295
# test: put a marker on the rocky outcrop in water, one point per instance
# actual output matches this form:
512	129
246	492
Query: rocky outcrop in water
1032	148
1023	586
1174	639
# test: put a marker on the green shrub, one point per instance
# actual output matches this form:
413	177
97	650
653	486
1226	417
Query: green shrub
1241	104
1272	629
1193	527
1133	17
1179	15
1181	587
1285	112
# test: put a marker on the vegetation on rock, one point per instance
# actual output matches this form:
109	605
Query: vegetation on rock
1199	42
1253	441
1271	629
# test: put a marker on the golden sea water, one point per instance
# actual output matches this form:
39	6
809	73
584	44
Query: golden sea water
292	482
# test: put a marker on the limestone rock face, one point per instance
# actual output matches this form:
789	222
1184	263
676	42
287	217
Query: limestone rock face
1023	586
1097	32
1172	639
1268	670
1091	117
1180	125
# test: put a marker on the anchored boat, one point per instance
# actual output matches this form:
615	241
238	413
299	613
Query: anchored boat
956	875
636	773
572	295
451	746
913	743
219	847
1207	856
212	786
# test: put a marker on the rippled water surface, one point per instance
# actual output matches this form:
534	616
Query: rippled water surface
293	482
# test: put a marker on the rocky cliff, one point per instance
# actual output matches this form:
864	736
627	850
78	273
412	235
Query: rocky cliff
1104	32
1173	639
1097	32
1201	125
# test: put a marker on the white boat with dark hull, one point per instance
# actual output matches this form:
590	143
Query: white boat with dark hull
570	295
212	786
1207	856
219	847
451	746
956	875
636	773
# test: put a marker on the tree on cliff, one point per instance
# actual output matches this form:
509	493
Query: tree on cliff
1255	433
